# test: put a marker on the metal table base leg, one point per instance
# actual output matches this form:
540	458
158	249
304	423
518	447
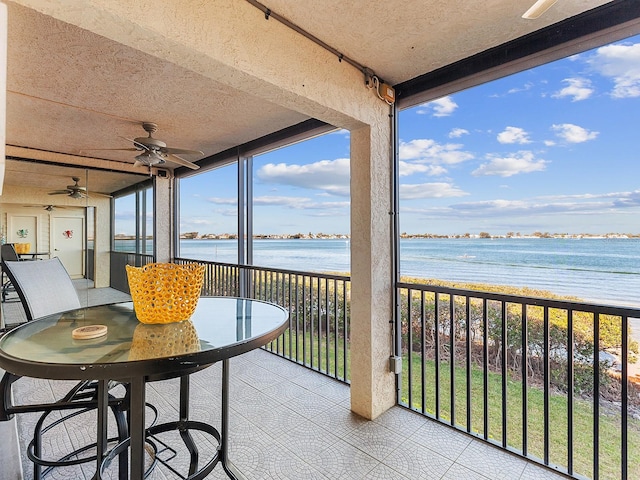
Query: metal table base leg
230	469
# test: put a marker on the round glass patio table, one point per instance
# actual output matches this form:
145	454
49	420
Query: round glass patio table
134	353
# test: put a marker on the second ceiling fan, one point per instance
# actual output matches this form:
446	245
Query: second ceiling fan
75	191
155	152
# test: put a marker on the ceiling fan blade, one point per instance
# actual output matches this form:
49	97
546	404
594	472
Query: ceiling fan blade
538	9
140	146
59	192
180	151
132	149
181	161
95	194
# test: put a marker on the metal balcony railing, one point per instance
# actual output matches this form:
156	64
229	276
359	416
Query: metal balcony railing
118	274
318	306
551	380
547	379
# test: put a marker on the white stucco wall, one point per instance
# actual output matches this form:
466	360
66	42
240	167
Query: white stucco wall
15	199
3	88
164	213
230	42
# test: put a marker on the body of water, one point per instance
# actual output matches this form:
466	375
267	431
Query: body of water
605	271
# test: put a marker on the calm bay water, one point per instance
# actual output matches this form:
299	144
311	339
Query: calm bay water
601	270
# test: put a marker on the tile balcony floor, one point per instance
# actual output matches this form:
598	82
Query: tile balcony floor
288	422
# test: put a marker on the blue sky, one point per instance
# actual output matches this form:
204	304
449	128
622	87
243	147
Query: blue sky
553	149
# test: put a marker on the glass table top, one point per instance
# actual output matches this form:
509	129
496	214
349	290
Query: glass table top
218	323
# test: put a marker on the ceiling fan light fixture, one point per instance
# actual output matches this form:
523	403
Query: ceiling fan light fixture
538	9
150	157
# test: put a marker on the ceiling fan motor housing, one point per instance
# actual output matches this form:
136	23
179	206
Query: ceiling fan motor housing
156	152
150	143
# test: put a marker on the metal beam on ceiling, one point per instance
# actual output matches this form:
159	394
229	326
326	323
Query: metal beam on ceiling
605	24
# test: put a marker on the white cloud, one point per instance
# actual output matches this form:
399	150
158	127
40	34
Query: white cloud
297	203
620	63
443	107
524	88
331	176
513	135
621	198
194	223
200	221
577	88
222	201
228	212
520	162
281	201
458	132
341	131
424	150
580	204
571	133
407	169
430	190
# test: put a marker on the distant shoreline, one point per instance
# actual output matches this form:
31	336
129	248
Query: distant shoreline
481	236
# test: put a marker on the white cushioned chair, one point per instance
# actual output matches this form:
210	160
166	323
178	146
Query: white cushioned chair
8	254
45	288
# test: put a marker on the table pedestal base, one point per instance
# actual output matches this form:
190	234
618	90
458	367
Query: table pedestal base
183	427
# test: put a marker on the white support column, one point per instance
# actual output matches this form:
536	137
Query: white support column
102	272
3	88
3	102
164	214
372	384
218	41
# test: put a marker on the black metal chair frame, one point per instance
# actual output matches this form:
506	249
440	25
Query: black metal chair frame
82	398
7	252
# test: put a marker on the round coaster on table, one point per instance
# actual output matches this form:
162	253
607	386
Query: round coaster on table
90	331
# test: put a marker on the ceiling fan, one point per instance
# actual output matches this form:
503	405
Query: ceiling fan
538	9
48	208
75	190
155	152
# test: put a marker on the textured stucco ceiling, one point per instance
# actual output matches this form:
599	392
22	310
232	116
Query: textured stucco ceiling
71	91
403	39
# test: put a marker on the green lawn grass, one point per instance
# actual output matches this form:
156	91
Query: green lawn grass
610	426
308	352
308	349
610	422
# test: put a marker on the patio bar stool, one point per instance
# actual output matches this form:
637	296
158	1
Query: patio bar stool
45	288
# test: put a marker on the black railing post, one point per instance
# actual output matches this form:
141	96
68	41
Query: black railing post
596	396
485	367
452	358
624	441
423	352
468	357
503	368
570	390
436	327
410	348
223	279
525	363
547	383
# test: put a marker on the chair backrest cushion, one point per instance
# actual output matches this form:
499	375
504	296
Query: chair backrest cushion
44	287
8	253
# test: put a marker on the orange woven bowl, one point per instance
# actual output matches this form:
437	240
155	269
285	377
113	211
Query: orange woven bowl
158	341
22	247
165	292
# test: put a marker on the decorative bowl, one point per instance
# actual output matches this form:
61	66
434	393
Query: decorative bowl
22	247
165	292
158	341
